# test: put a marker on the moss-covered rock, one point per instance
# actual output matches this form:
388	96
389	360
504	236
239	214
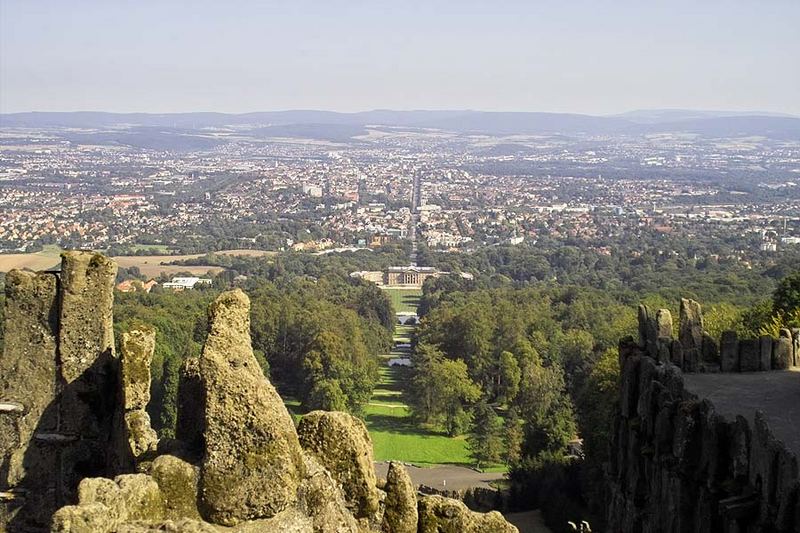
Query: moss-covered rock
87	297
444	515
321	499
89	518
252	465
105	491
177	480
136	353
141	497
141	438
340	443
400	514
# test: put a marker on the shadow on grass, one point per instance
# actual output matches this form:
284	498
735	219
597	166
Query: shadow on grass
393	379
402	425
411	300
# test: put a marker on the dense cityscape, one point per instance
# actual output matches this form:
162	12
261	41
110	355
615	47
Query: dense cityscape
312	190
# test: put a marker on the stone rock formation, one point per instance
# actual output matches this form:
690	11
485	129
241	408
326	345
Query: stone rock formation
28	386
676	465
252	465
177	480
58	372
782	350
690	332
729	351
749	355
443	515
240	467
136	352
341	444
400	514
709	353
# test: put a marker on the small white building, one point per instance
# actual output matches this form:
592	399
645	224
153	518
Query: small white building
183	283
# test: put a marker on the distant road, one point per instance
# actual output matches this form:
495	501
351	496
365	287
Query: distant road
445	477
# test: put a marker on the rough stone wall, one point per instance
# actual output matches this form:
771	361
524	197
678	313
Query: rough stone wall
696	351
75	432
57	386
28	386
677	466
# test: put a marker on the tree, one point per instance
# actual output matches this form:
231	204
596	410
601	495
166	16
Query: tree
486	437
722	317
441	389
508	378
546	409
327	395
756	317
596	405
787	296
513	437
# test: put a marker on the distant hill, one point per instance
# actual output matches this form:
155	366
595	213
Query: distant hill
329	125
659	116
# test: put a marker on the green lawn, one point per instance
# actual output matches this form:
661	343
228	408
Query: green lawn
396	437
403	333
404	300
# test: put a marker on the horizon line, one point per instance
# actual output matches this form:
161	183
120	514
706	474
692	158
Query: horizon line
732	112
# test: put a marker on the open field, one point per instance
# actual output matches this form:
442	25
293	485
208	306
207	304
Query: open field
47	258
153	265
150	265
404	300
161	249
403	333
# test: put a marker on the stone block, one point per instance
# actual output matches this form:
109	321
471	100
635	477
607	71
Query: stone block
710	351
749	355
782	353
690	331
676	356
765	352
729	351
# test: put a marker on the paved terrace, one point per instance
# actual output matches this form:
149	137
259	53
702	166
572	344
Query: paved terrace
775	393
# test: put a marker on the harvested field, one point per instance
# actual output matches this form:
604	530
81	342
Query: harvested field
153	265
47	258
150	265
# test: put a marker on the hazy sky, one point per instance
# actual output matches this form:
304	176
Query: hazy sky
591	56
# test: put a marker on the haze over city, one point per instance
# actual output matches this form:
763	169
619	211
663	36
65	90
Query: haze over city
575	56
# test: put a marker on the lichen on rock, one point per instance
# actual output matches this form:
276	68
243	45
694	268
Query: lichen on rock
400	515
341	443
252	465
444	515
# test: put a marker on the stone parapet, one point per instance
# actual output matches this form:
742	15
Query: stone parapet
677	465
695	350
